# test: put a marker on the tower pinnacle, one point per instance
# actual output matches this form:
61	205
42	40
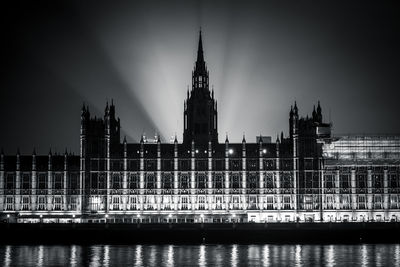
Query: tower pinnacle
200	63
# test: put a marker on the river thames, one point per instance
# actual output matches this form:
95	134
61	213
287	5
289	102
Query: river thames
202	255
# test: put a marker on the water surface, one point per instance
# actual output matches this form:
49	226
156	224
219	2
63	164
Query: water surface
201	255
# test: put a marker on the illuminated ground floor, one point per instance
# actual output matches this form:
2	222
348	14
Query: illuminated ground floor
201	216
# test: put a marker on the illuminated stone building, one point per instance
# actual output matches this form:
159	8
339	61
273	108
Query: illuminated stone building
306	175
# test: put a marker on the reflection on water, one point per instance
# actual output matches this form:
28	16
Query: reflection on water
201	255
234	256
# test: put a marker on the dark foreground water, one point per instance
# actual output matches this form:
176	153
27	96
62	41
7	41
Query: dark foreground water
201	255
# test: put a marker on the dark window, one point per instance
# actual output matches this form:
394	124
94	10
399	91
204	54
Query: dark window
116	181
218	181
150	181
133	181
201	165
133	165
269	180
42	181
151	165
219	164
252	164
201	181
167	165
235	181
235	164
10	181
252	181
58	180
26	181
184	181
184	165
167	181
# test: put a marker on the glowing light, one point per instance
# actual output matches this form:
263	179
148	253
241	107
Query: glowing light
202	215
73	215
138	215
230	151
233	215
264	151
106	216
41	216
169	215
8	215
197	151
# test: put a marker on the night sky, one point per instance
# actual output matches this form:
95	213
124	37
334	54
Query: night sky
262	56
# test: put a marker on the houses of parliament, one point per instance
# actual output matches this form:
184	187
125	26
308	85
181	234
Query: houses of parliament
307	175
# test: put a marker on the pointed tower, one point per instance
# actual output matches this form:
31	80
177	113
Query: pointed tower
319	113
200	114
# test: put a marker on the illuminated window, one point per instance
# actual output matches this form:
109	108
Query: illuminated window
73	203
41	203
9	203
25	203
133	203
270	202
184	203
286	203
57	203
115	203
218	203
202	202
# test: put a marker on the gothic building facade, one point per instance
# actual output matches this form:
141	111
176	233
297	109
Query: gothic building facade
306	175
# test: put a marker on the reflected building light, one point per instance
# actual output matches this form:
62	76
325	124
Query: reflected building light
277	254
40	256
397	255
170	256
73	260
153	258
298	255
7	256
364	255
266	255
234	255
95	256
378	256
202	256
330	256
253	253
138	256
106	256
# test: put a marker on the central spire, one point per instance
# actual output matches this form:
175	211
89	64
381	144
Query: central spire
200	68
200	114
200	55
